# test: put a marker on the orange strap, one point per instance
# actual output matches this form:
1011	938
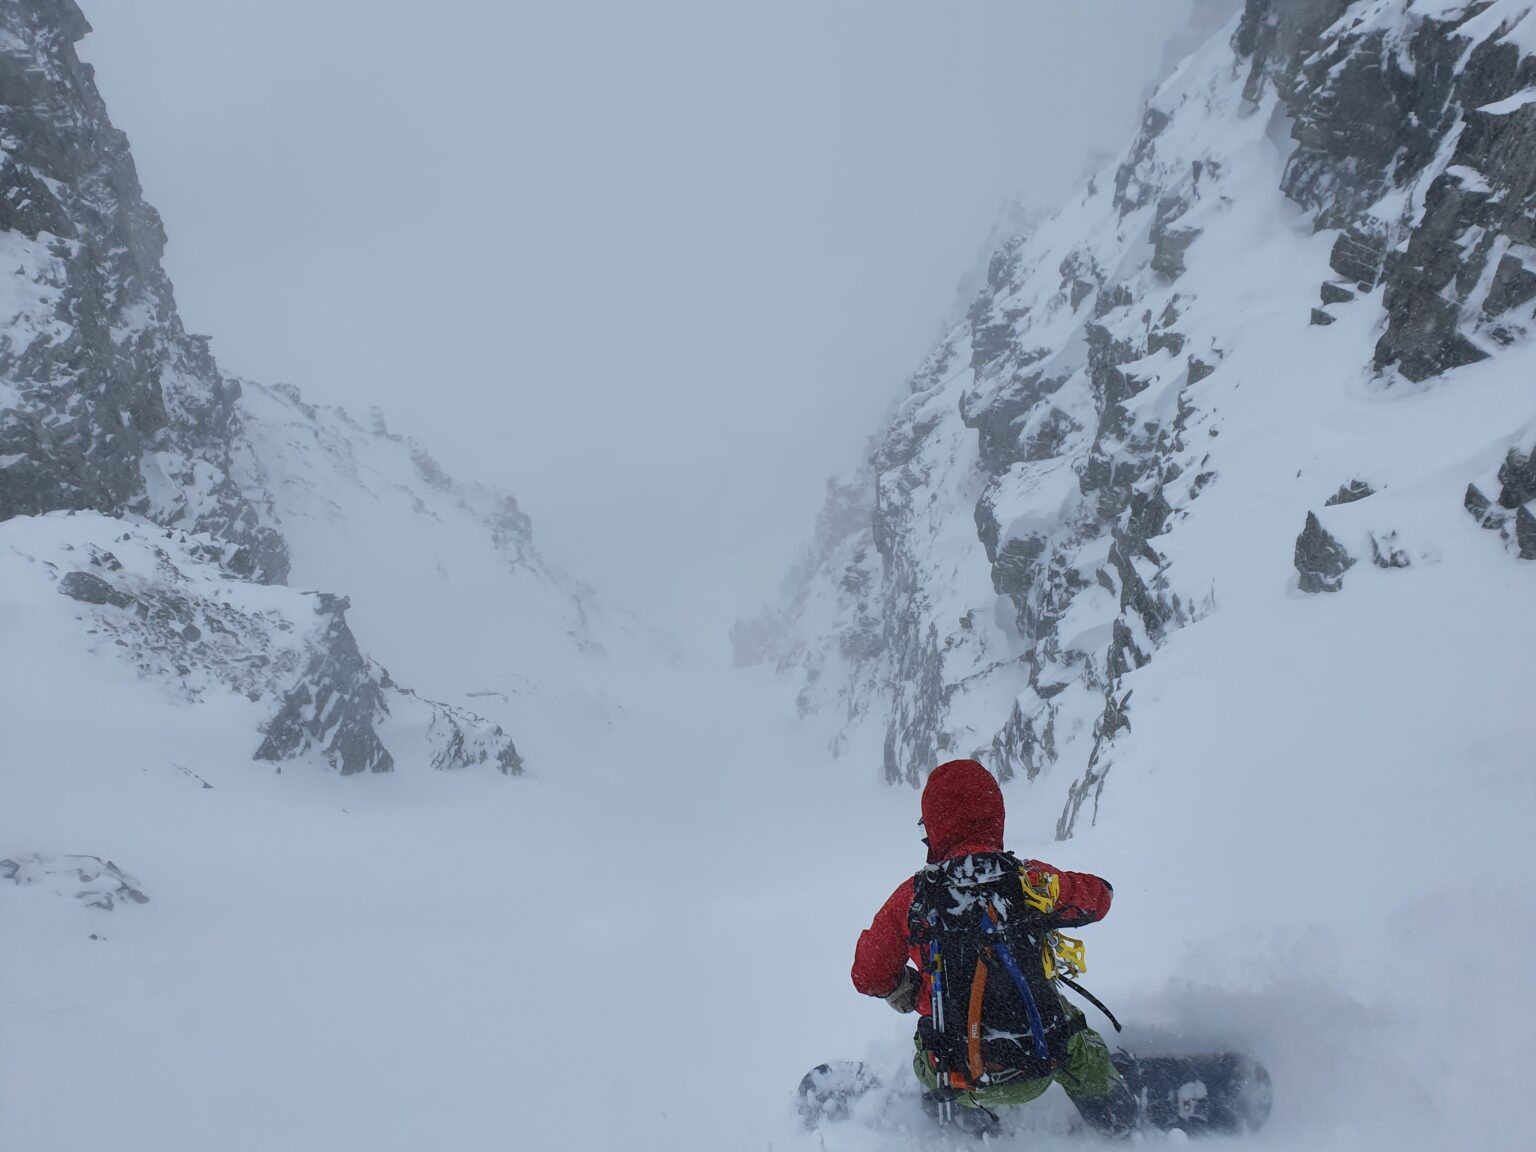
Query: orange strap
973	1022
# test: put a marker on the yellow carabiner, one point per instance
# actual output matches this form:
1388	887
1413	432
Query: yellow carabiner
1040	901
1068	954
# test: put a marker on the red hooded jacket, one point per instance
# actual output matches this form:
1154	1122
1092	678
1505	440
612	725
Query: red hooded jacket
963	813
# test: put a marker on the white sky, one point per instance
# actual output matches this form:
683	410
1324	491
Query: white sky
657	268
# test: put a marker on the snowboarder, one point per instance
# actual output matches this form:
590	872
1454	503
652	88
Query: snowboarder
967	944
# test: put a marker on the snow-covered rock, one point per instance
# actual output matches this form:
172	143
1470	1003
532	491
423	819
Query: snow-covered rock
94	882
1301	298
157	601
106	402
193	487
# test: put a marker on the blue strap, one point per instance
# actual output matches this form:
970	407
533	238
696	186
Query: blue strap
1005	954
936	987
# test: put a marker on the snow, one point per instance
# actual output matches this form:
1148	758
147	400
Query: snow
439	580
645	945
1318	829
1513	104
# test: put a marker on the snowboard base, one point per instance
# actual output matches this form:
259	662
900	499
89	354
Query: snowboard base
1219	1093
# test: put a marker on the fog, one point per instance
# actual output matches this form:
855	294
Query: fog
658	269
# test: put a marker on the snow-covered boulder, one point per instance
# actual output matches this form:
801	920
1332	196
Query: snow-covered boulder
94	882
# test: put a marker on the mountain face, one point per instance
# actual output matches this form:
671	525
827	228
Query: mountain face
1255	363
106	402
172	503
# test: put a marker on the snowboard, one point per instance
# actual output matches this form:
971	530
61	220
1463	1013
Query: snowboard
1216	1094
1220	1093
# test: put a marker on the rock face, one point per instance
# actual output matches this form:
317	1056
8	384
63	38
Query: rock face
158	600
1063	440
161	494
1512	514
1321	561
334	706
1441	102
341	698
106	402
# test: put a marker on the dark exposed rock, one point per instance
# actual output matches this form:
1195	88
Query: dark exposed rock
991	333
1360	253
1137	597
1113	297
1017	747
1349	493
1525	533
1198	370
1050	436
1015	564
1510	517
997	425
1081	277
1164	339
1518	476
1112	386
335	705
1321	560
1321	318
1487	196
1359	115
1335	294
1514	284
89	589
1170	242
1480	507
108	387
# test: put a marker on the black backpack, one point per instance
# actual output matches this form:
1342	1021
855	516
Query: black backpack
986	936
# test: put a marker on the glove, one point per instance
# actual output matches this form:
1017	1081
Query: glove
903	997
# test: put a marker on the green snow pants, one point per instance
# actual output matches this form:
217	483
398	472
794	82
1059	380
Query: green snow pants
1087	1074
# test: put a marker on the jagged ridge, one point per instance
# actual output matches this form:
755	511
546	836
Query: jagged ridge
1076	408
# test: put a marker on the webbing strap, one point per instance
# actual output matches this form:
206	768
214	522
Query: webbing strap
1092	999
977	1066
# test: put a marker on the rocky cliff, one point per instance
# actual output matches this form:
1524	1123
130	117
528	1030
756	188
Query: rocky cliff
1224	367
106	402
158	492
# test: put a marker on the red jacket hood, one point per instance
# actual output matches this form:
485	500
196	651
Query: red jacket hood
962	811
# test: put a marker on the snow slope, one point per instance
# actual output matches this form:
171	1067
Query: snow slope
646	948
442	576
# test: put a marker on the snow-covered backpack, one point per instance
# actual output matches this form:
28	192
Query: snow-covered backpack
984	926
